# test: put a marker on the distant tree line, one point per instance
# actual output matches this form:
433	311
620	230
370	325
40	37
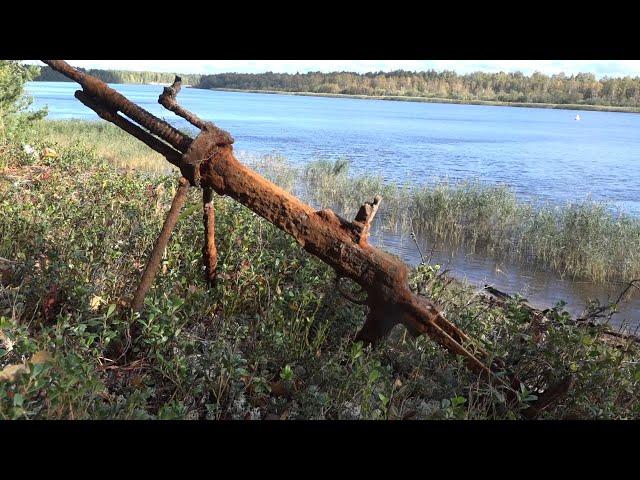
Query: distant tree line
47	74
582	88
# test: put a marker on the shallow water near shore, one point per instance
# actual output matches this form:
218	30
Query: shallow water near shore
541	289
543	155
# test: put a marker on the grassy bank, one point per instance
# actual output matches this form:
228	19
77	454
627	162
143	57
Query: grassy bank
406	98
108	141
581	240
273	339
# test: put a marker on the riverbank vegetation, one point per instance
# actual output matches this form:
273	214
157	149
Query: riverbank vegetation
273	339
583	241
492	103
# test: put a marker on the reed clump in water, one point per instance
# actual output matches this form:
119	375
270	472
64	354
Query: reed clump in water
581	240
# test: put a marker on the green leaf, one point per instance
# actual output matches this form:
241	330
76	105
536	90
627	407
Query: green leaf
110	310
587	340
374	375
286	373
356	350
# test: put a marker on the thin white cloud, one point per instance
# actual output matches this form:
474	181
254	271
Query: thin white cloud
598	67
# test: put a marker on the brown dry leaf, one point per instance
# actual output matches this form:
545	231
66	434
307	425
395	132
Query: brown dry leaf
41	357
159	191
278	388
137	381
11	372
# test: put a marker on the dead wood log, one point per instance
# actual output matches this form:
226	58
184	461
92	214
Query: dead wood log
208	161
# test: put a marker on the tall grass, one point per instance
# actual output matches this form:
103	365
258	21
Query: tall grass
582	240
111	143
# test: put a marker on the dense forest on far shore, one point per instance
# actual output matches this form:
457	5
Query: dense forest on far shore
515	87
582	88
47	74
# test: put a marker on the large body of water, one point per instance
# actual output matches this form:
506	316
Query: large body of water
544	155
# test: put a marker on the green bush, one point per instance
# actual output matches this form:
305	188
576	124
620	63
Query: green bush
15	119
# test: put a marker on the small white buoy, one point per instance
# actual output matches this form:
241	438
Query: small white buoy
577	117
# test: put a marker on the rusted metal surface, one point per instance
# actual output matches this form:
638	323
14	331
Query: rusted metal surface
336	241
210	136
364	218
115	101
168	100
340	243
204	147
172	155
209	251
153	264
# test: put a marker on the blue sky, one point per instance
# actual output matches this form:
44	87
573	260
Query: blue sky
600	68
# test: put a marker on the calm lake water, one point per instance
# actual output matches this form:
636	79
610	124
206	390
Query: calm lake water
544	155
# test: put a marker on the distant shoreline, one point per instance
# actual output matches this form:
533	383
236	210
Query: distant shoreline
398	98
